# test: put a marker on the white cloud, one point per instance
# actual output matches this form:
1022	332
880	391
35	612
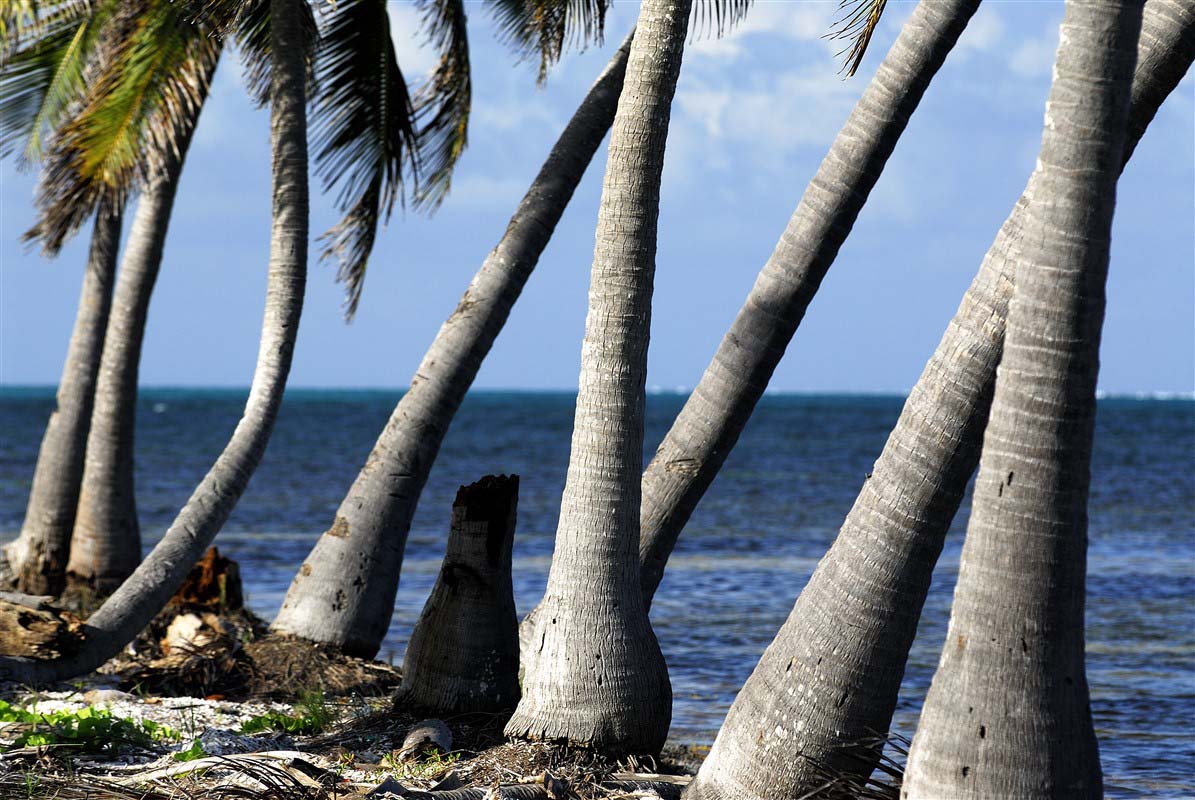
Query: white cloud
1035	56
802	22
773	113
983	33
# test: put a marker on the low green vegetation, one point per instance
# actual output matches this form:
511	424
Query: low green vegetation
312	716
192	753
90	729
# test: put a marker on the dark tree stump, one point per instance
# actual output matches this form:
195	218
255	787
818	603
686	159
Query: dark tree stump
464	652
213	584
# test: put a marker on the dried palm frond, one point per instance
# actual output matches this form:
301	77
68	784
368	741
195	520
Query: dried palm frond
857	25
717	17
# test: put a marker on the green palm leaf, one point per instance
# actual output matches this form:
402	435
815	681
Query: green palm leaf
442	104
363	122
42	68
147	94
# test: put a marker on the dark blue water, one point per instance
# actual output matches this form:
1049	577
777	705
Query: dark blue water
744	556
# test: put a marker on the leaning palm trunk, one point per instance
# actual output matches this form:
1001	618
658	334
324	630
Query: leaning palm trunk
715	414
106	545
1008	713
846	642
600	678
140	597
344	592
38	557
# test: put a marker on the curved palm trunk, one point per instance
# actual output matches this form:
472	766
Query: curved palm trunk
38	556
344	592
715	414
1008	713
140	597
600	678
106	545
846	641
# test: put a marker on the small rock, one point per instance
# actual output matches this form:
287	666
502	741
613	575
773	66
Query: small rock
107	696
430	735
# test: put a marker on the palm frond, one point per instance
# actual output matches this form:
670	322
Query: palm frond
146	98
25	19
248	21
363	127
442	104
717	17
42	75
857	25
545	28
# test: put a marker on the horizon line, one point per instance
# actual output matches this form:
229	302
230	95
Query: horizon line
651	390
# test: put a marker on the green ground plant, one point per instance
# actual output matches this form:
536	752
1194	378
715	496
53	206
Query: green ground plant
312	716
90	729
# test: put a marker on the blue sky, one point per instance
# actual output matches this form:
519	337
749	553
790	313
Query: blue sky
754	115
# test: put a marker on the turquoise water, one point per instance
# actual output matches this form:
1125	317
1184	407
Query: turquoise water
744	556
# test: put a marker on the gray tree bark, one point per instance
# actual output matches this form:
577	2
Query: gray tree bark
1008	713
157	578
835	667
715	414
105	547
343	594
463	655
38	557
600	678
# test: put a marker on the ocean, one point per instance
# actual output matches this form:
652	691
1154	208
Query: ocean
744	556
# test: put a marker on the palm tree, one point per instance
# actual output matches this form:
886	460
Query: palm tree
876	575
114	88
1008	713
140	597
344	592
46	53
105	547
716	412
38	556
600	678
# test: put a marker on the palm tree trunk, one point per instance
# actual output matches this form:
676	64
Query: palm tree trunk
1008	713
106	545
344	592
39	555
600	679
715	414
140	597
848	636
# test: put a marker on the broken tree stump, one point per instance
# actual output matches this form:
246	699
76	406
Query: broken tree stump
464	652
213	584
33	627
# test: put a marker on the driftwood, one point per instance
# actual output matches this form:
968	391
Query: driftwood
33	626
463	654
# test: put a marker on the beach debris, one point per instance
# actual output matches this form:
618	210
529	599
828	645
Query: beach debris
34	626
213	584
427	736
